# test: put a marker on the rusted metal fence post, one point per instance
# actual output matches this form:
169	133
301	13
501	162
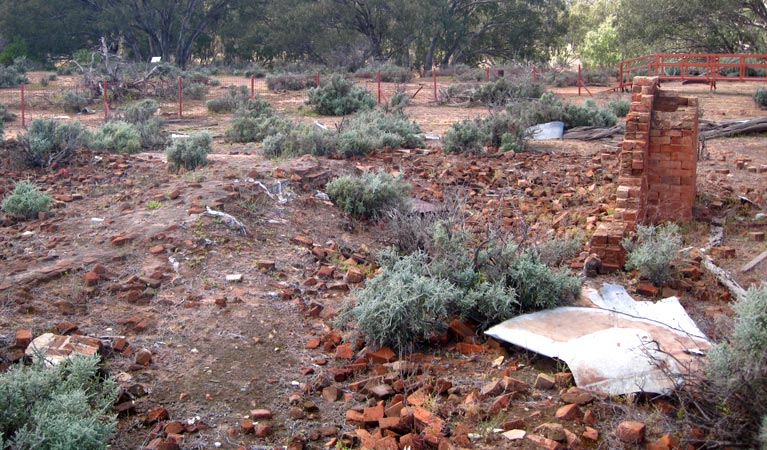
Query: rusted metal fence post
487	74
252	87
434	76
579	80
318	79
180	98
379	86
106	102
23	116
535	73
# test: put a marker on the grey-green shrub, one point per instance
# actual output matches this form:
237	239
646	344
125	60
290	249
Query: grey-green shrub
376	129
300	140
73	102
194	91
589	114
369	195
390	73
464	136
5	115
760	97
236	96
26	201
65	407
619	107
117	137
47	141
189	152
402	305
500	92
254	121
290	81
554	252
737	369
141	115
537	285
339	97
653	250
11	77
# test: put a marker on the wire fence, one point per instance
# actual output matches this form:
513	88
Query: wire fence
93	104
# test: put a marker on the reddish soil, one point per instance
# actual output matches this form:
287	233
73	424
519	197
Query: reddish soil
222	348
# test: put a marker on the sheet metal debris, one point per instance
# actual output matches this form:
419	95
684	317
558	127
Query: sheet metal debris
549	130
618	346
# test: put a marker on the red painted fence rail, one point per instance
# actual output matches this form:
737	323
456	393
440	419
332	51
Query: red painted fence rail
711	67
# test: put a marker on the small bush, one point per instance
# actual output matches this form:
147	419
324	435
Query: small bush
390	73
556	251
502	91
539	286
339	97
300	140
760	98
620	107
399	100
653	251
402	305
65	407
5	115
26	201
737	369
236	97
290	81
10	77
376	129
368	196
464	136
194	91
589	114
189	152
73	102
117	137
249	128
47	141
142	116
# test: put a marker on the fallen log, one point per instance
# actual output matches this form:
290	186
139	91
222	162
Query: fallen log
710	130
723	277
591	133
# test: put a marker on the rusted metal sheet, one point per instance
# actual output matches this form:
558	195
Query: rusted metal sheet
617	346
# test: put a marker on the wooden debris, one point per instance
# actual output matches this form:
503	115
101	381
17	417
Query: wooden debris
709	129
228	219
724	277
591	133
754	262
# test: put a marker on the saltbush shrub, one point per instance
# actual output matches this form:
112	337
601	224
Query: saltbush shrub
26	201
47	141
376	129
402	305
11	77
589	114
117	137
390	73
73	102
653	250
290	81
300	140
370	195
555	251
737	369
760	97
619	107
464	136
189	152
236	97
194	90
339	97
500	92
256	128
141	115
537	285
5	115
65	407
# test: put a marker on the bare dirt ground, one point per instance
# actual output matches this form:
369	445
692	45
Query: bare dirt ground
223	348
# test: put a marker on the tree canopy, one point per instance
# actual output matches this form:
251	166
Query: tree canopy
351	33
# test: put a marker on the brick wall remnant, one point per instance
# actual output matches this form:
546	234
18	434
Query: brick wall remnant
658	163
